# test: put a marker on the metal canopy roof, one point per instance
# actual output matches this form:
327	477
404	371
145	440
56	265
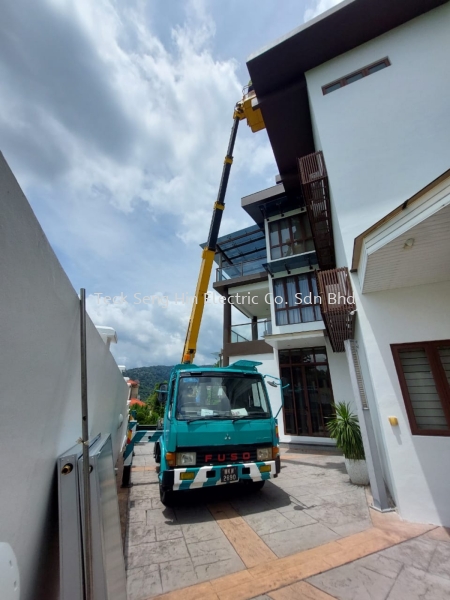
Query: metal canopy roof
277	71
241	246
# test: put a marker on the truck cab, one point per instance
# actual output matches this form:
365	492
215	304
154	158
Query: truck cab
218	429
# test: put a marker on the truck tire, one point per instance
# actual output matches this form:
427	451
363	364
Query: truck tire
165	496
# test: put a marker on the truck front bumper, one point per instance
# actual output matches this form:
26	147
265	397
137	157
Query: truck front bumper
212	475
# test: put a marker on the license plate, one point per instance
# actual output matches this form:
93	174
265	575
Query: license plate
229	474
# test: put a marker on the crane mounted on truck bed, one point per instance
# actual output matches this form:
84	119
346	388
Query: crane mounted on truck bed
246	108
218	425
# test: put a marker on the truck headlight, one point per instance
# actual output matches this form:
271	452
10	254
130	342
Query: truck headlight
186	458
264	454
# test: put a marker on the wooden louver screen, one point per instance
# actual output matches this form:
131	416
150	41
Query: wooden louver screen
426	405
337	305
314	180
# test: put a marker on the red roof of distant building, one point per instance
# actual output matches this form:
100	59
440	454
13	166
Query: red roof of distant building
136	401
132	382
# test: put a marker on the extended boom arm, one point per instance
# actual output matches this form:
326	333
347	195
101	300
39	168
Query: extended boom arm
248	109
190	345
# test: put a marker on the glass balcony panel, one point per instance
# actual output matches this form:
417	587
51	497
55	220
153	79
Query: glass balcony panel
244	331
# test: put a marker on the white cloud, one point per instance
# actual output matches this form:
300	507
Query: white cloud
320	6
154	333
117	134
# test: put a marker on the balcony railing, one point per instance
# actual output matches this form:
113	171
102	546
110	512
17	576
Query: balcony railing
249	267
337	305
314	180
249	332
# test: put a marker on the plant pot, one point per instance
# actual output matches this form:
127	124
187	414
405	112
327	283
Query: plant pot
357	471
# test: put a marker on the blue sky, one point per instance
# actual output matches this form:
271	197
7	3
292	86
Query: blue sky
115	118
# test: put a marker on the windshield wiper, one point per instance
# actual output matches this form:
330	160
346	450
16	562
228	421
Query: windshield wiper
254	416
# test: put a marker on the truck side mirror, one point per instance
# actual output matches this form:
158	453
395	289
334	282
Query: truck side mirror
162	393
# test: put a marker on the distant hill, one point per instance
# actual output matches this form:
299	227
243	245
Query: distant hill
148	377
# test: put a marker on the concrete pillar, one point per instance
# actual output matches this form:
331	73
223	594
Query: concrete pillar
254	328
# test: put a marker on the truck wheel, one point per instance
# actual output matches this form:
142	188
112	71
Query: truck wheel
165	496
257	485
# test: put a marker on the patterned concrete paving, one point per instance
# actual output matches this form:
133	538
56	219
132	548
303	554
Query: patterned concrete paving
307	534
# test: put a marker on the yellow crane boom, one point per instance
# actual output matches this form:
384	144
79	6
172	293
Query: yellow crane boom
244	109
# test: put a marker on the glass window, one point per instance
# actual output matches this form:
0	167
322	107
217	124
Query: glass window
290	235
348	79
212	397
423	370
376	68
353	78
331	88
298	299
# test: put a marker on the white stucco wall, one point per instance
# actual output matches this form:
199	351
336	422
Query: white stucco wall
385	136
418	465
40	391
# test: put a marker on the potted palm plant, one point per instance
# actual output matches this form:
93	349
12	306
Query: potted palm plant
344	428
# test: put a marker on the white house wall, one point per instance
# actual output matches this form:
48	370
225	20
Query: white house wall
385	136
417	465
40	393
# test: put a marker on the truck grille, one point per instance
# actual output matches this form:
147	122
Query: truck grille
224	454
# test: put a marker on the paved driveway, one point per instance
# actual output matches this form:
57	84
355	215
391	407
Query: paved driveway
227	529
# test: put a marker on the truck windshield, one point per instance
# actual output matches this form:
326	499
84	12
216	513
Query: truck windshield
221	398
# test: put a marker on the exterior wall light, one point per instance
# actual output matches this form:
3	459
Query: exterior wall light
408	244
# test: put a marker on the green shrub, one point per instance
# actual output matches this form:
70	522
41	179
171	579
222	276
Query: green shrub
344	428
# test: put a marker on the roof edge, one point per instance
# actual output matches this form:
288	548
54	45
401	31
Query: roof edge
358	243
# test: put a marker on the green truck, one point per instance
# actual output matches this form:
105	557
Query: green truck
218	429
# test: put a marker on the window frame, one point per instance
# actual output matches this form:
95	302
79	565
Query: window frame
364	72
302	216
440	381
279	308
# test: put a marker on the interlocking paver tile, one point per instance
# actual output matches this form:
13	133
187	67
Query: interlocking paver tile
177	574
156	552
296	539
201	532
301	590
352	582
139	533
270	521
217	569
415	584
215	550
440	561
413	553
143	582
